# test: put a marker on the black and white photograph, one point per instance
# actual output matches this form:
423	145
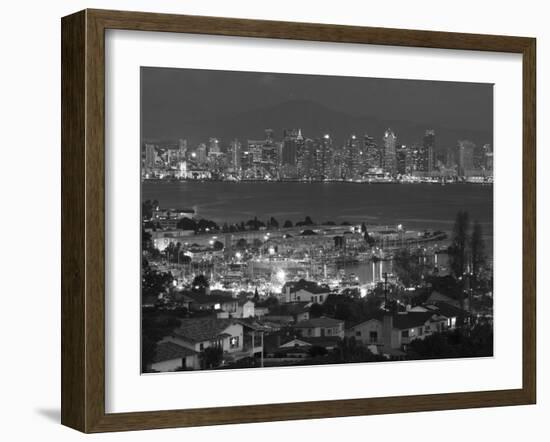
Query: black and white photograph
299	220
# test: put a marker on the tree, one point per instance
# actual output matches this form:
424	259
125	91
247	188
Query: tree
154	327
211	357
146	240
186	224
241	244
317	350
456	343
218	245
477	250
458	247
200	284
368	239
205	225
255	224
316	310
148	351
306	222
350	350
273	223
153	283
173	251
287	224
147	208
409	267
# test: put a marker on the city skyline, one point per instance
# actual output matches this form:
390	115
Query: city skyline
295	156
198	104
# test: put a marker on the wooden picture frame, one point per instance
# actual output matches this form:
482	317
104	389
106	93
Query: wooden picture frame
83	220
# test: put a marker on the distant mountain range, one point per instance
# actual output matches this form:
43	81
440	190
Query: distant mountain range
314	119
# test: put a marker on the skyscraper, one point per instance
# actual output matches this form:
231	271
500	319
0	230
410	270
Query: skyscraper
403	158
465	157
290	137
201	153
352	159
305	157
150	156
428	151
372	155
390	163
235	154
322	156
214	146
182	149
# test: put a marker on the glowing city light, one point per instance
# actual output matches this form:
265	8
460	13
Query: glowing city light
281	275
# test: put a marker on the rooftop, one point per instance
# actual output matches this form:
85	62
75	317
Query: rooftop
167	351
411	319
319	322
309	286
202	329
209	299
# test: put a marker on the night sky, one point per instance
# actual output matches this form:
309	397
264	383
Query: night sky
187	102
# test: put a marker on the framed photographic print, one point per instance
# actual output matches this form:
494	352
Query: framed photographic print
267	221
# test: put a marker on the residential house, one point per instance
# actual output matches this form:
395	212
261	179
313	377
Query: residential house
170	356
320	327
213	301
200	333
238	338
303	290
245	309
396	331
260	311
298	310
436	297
327	342
297	347
454	315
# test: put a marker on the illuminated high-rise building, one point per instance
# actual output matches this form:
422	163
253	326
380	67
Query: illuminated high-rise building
182	148
305	157
150	156
201	153
372	157
352	159
214	146
465	157
390	160
234	155
322	149
428	151
290	137
404	160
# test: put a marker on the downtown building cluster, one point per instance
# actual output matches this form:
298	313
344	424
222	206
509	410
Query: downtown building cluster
297	157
